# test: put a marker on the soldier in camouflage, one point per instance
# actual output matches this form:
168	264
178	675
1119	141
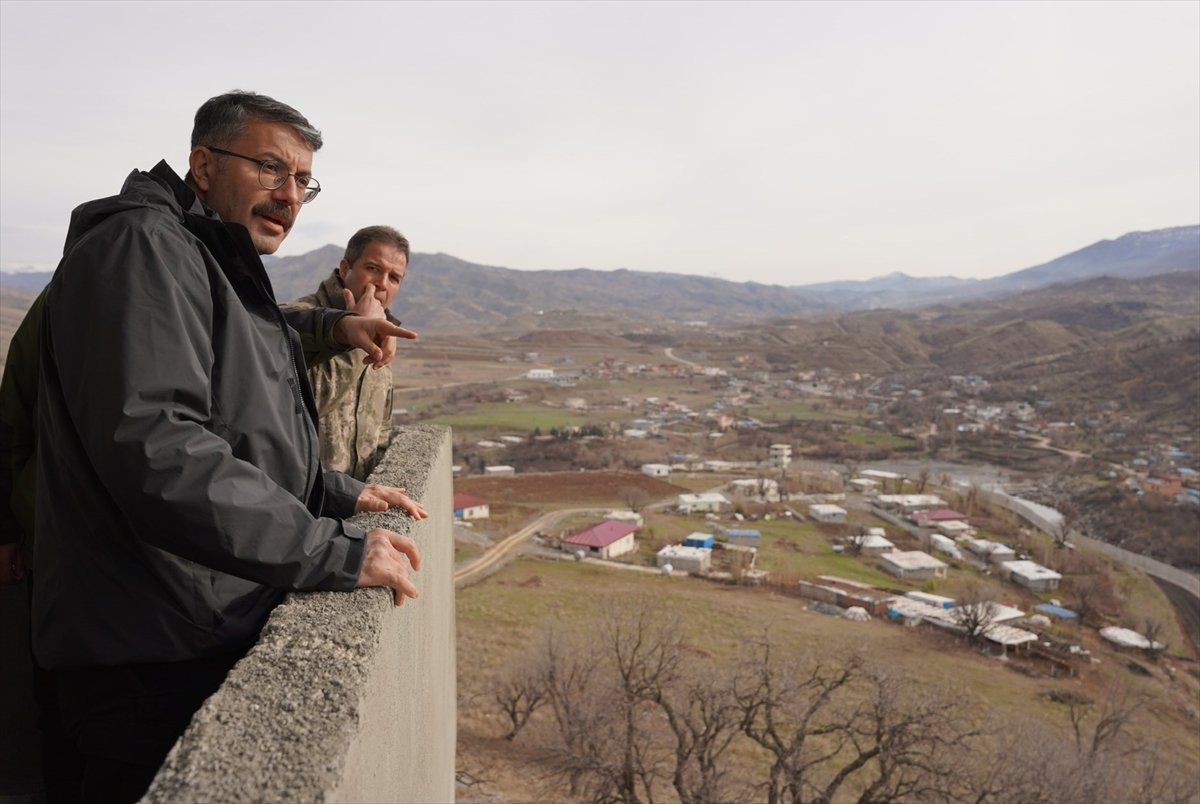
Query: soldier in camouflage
354	401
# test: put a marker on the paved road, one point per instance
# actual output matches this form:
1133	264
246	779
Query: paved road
1188	606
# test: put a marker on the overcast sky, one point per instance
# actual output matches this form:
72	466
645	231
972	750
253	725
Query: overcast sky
777	142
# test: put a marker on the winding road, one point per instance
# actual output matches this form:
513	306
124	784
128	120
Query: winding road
480	568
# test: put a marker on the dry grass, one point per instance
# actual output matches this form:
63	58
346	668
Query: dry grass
502	618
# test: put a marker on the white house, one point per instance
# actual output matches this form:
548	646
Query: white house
781	455
823	512
955	528
913	565
540	374
756	487
695	560
864	485
1031	575
910	502
992	551
871	544
468	507
499	469
945	545
608	539
656	469
706	502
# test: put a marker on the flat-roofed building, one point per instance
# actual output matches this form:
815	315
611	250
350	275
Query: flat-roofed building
1031	575
706	502
913	565
824	512
692	560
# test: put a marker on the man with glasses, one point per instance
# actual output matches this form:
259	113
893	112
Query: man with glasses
181	493
354	402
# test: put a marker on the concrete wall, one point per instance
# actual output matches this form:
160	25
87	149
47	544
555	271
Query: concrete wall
345	697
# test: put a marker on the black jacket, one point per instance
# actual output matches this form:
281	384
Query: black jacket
179	488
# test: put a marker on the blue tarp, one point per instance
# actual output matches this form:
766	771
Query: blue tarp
1057	611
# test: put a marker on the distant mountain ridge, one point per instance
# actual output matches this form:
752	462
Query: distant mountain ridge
1134	255
443	292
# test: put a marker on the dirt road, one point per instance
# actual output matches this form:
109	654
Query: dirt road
481	567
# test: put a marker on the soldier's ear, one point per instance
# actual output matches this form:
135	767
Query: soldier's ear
343	268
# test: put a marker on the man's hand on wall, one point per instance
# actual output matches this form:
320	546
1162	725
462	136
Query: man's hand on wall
375	336
386	563
375	497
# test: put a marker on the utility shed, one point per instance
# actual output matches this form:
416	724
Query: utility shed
750	538
704	540
1031	575
913	565
692	560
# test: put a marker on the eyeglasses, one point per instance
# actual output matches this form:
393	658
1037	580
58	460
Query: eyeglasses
272	175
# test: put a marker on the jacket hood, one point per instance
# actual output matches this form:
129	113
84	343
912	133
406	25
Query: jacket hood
159	188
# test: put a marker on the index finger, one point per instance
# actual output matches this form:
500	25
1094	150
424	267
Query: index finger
388	328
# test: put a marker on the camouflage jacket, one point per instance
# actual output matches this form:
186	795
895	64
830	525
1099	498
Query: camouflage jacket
354	402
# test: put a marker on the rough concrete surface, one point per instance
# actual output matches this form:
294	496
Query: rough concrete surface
345	697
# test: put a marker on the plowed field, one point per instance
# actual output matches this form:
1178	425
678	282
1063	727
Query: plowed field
568	488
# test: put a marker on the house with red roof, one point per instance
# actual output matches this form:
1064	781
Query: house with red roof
468	507
608	539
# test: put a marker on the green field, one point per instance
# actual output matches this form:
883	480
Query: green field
511	417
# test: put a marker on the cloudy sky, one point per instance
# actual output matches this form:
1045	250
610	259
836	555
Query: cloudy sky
776	142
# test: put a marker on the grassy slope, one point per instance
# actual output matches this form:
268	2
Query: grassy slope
501	619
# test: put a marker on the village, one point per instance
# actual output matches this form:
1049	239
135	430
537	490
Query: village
876	549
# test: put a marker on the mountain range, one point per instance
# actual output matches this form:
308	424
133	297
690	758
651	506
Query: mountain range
444	292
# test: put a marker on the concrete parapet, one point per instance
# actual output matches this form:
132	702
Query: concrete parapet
345	697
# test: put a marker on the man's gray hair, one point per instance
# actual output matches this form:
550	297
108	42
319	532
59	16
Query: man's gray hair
374	234
223	118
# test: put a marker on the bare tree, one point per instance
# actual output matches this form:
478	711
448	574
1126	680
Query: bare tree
520	693
635	498
827	727
856	540
704	719
1098	727
922	479
904	744
1152	629
795	714
976	610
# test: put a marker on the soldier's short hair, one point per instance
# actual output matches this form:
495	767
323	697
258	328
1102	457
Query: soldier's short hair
375	234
